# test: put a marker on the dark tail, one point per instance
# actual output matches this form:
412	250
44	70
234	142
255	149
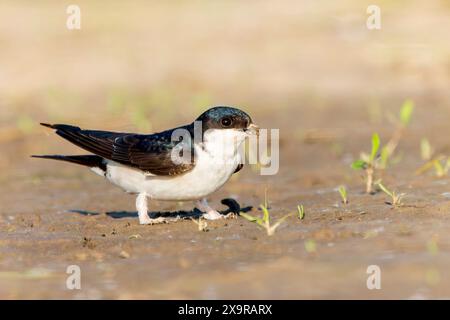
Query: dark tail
90	161
47	125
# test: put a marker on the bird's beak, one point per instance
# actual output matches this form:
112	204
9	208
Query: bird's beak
253	129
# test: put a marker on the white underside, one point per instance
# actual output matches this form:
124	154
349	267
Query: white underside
216	160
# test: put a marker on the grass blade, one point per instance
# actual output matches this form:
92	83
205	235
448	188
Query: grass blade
385	190
266	215
301	212
375	146
406	112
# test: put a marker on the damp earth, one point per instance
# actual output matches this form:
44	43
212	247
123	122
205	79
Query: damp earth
312	71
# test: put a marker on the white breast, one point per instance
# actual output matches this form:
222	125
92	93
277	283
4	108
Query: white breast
216	160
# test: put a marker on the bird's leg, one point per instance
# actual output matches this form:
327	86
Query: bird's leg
141	206
210	213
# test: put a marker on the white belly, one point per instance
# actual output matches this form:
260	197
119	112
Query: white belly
212	169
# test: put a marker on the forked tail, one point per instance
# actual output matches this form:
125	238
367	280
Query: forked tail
90	161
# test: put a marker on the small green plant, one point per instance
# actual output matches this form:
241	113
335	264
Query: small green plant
300	212
441	169
384	157
265	220
406	112
440	164
426	150
402	123
396	199
368	163
343	192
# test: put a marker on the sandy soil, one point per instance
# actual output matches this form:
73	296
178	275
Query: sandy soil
311	71
54	215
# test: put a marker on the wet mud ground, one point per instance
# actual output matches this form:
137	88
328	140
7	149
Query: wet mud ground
310	68
53	215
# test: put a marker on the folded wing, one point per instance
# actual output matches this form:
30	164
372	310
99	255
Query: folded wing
149	153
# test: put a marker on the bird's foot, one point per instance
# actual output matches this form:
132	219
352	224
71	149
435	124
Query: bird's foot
213	215
210	213
141	206
148	220
231	215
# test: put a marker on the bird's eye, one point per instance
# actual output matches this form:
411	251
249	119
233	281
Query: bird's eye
226	122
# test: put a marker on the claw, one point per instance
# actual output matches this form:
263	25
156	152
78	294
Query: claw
231	215
212	215
141	206
151	221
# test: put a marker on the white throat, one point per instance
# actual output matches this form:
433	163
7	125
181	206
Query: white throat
223	143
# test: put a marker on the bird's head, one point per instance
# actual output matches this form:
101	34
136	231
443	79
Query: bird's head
227	118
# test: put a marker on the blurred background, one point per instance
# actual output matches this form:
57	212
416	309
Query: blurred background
310	68
147	65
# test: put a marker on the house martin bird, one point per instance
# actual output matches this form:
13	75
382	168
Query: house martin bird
173	165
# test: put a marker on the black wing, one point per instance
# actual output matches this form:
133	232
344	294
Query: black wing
150	153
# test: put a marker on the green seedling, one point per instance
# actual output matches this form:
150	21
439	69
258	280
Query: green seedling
441	169
406	112
201	223
396	199
426	150
343	192
300	212
265	220
368	163
440	164
402	123
384	157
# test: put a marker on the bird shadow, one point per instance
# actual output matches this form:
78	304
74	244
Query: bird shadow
233	207
84	212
